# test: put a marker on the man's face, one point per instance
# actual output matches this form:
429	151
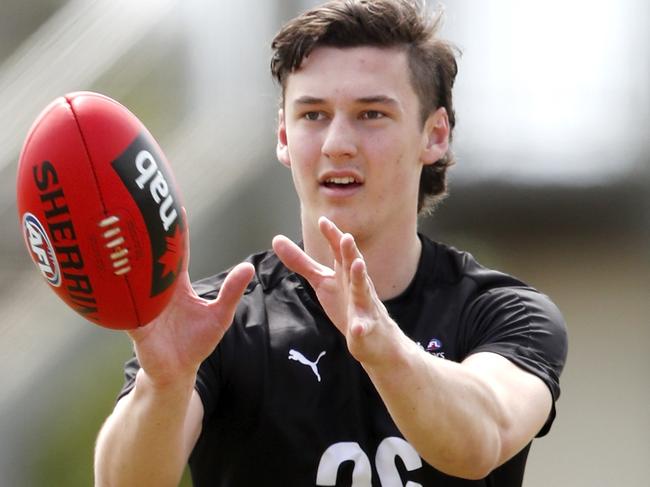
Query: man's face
351	133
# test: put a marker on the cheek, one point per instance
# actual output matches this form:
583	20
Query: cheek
304	153
390	152
398	162
381	147
304	147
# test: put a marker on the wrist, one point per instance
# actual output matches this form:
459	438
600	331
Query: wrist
393	351
174	388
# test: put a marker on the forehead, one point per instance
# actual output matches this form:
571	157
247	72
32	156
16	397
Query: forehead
354	72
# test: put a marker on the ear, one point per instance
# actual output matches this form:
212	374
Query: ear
282	149
435	137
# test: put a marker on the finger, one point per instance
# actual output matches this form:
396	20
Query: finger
361	297
360	290
186	242
298	261
349	252
184	285
231	291
333	235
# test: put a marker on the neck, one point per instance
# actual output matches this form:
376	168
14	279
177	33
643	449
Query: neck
391	256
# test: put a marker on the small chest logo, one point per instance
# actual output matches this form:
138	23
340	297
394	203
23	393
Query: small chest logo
434	347
41	249
299	357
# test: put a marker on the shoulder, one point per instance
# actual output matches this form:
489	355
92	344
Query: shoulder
483	286
454	266
501	314
494	307
494	293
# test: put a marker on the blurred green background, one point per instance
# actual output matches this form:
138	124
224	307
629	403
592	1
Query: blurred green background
551	185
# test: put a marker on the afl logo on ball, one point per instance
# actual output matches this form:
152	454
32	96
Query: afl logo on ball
41	249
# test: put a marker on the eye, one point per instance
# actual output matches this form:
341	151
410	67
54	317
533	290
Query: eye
313	116
372	115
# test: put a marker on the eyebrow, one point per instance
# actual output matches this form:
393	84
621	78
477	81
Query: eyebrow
308	100
381	99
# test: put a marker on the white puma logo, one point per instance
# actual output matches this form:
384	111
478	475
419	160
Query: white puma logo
296	355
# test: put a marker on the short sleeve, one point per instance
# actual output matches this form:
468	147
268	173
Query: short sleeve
524	326
131	368
206	382
208	385
210	380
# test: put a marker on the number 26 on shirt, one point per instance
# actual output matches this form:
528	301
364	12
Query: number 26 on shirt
388	449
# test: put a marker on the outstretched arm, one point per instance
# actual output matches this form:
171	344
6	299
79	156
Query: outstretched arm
464	419
152	430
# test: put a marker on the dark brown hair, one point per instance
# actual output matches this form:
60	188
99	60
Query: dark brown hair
382	23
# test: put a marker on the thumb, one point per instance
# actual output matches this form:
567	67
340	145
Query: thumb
297	260
231	291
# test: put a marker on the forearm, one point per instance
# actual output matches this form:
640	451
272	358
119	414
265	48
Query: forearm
145	441
446	412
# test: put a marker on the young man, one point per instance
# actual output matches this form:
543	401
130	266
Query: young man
369	355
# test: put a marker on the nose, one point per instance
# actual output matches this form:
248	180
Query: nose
340	139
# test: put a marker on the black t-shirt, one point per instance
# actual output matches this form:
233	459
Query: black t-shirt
287	405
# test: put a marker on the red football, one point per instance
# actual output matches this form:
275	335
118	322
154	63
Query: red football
99	209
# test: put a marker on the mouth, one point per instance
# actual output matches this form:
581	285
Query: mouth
341	182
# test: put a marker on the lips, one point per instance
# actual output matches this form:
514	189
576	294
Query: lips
341	181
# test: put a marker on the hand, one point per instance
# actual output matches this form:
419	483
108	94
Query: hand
346	292
173	345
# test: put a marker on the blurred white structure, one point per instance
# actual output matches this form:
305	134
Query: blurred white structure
553	92
72	50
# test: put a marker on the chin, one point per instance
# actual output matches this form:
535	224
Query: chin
354	224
